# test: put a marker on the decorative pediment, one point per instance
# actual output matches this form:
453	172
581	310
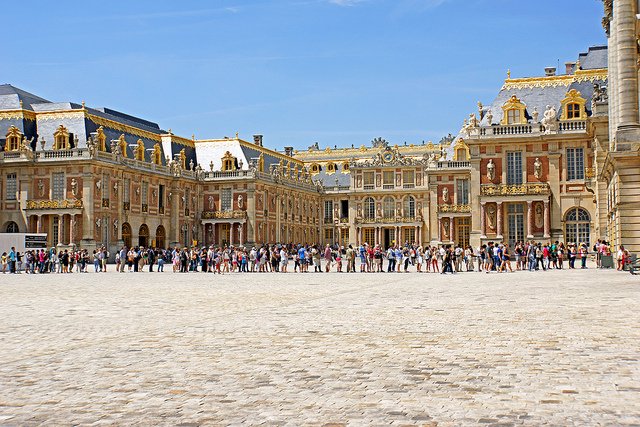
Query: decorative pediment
461	152
515	109
139	151
573	106
14	136
228	161
157	154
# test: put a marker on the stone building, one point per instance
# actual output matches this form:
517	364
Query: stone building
545	160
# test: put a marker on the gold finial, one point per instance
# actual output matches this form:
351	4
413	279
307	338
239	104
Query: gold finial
82	104
21	104
509	74
169	131
237	134
578	65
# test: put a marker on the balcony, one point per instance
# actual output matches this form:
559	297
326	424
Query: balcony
454	208
224	215
529	189
529	129
53	204
389	220
449	165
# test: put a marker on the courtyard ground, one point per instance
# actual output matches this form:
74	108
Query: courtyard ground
556	348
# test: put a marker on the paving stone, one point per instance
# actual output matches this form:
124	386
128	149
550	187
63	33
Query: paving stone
556	348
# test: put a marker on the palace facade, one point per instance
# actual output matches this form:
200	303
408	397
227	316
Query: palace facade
552	157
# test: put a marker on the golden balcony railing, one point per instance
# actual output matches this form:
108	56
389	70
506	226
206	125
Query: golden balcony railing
224	215
454	208
389	220
529	189
54	204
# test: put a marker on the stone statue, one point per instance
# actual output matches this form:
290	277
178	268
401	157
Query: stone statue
491	216
91	147
433	160
99	222
539	220
535	114
240	164
210	199
446	228
191	165
359	210
473	121
99	185
115	225
489	117
211	165
74	187
240	201
379	211
549	120
491	170
137	192
115	188
42	143
537	168
41	188
445	194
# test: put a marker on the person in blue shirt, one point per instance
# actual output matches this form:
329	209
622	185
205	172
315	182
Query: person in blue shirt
302	254
12	260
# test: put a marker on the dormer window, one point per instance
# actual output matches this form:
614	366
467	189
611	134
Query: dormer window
102	139
140	150
513	112
315	169
13	139
345	167
573	111
573	106
331	168
228	162
61	139
513	117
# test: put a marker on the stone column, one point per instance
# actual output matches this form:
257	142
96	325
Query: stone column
60	229
359	236
529	219
175	228
88	219
624	26
440	234
38	223
450	229
483	220
547	220
415	234
72	219
499	220
251	217
240	229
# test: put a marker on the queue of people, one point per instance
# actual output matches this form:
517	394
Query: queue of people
491	257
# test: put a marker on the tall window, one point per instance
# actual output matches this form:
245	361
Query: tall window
57	189
514	167
328	211
387	179
145	194
369	208
388	207
12	186
225	200
578	226
161	196
408	179
126	191
369	180
106	186
513	117
575	163
573	111
410	207
462	191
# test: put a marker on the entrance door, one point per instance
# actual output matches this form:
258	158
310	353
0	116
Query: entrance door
386	239
463	231
225	233
515	218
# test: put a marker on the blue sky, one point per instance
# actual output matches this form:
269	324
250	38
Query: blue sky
338	72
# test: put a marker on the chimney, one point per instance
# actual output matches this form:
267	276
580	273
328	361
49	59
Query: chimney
288	151
257	139
570	67
550	71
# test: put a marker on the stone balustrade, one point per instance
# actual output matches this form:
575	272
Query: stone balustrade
515	189
454	208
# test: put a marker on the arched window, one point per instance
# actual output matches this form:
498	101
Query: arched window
12	227
157	154
126	234
315	169
369	208
577	228
388	207
345	167
410	207
228	162
13	139
331	168
61	139
573	111
139	151
102	139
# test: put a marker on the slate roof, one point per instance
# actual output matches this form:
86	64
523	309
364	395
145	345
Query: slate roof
594	58
213	150
10	97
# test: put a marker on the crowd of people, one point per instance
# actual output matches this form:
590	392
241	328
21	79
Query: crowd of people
491	257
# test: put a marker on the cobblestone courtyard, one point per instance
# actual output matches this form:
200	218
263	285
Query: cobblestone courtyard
560	348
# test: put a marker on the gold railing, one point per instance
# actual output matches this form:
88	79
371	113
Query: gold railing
224	215
515	190
54	204
454	208
397	219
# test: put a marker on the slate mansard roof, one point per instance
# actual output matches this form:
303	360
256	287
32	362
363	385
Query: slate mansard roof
538	92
